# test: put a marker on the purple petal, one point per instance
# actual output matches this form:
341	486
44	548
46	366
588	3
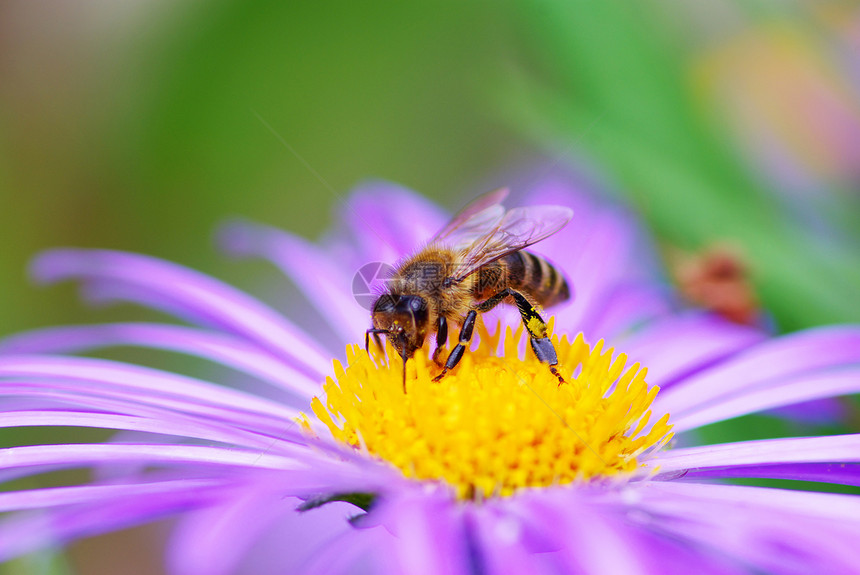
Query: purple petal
77	494
252	529
764	366
307	469
591	541
102	372
218	347
601	249
592	529
213	540
97	292
331	475
773	530
597	260
833	473
623	307
514	536
387	222
327	285
679	346
816	412
178	426
793	391
834	459
202	296
21	534
502	550
50	394
430	533
668	556
77	455
317	539
596	217
353	552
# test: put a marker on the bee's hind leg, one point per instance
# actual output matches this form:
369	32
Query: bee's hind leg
465	337
535	326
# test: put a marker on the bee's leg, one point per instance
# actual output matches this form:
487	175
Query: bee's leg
457	353
441	338
376	339
535	325
404	357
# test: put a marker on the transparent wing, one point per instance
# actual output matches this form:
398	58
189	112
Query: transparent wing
518	229
477	218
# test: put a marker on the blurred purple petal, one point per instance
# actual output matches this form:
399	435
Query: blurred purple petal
178	426
58	496
602	249
832	473
777	394
764	366
20	534
77	455
774	530
621	309
350	552
102	372
387	222
714	459
592	541
213	540
50	393
218	347
667	555
815	412
679	346
327	286
204	296
347	475
430	534
501	538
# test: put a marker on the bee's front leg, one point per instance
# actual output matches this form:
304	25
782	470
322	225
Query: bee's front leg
376	339
441	339
465	337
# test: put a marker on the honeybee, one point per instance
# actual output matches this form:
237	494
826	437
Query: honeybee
471	265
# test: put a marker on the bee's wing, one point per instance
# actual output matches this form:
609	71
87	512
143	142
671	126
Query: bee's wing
519	228
480	216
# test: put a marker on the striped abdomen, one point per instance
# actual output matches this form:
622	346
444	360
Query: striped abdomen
527	273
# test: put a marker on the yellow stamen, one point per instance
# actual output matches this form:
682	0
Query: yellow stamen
496	423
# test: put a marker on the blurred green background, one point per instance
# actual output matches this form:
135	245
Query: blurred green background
141	125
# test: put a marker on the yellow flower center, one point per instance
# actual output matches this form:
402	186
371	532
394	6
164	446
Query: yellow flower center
496	423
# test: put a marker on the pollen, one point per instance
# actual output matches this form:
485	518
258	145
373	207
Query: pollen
499	422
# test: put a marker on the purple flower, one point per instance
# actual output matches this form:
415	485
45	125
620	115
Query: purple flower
497	470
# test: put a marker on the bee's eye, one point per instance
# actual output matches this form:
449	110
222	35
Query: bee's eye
416	304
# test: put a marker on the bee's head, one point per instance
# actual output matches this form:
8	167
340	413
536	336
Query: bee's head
403	318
